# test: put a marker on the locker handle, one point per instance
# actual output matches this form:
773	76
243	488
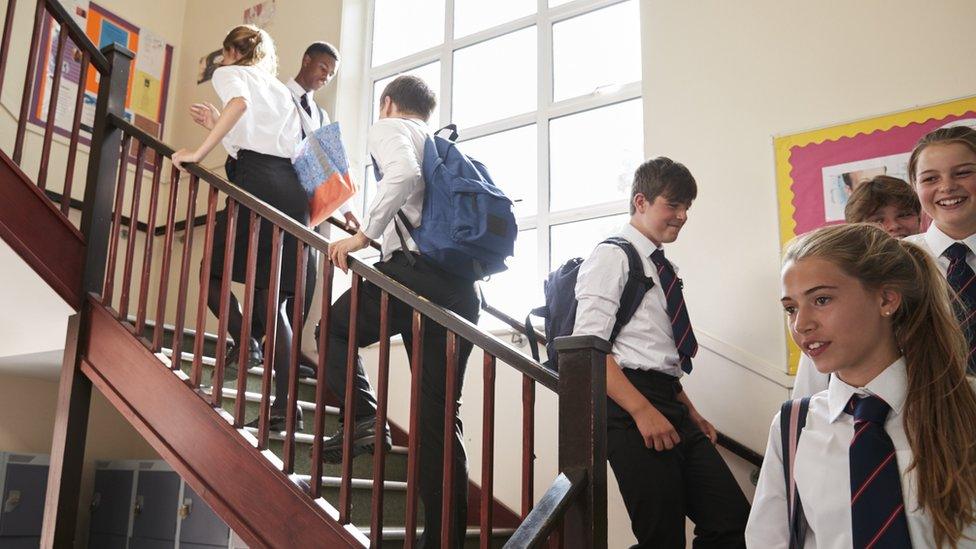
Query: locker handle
96	500
138	507
13	500
186	508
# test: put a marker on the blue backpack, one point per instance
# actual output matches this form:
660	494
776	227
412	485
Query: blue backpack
560	308
467	226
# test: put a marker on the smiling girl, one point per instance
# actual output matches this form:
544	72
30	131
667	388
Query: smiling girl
887	456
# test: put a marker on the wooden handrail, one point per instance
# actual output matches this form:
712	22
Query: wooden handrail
547	514
450	320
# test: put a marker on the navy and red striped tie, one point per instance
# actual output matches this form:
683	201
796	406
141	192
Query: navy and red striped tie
878	517
684	336
961	278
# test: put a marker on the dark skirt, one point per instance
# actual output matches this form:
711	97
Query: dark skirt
273	180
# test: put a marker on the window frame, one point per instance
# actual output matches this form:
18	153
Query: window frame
547	109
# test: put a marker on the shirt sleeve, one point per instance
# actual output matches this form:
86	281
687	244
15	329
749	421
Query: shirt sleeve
599	285
768	525
396	155
808	381
229	83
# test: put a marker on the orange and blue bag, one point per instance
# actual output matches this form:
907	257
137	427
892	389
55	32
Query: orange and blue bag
323	169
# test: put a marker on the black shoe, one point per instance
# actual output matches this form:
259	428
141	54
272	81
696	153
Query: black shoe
304	372
278	422
233	356
363	441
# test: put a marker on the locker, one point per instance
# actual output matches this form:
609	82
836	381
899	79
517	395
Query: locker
155	510
200	526
23	487
111	506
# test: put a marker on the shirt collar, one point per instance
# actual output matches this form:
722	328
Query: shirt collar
298	91
891	386
939	242
643	244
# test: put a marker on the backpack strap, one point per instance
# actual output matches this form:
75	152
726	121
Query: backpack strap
792	419
634	289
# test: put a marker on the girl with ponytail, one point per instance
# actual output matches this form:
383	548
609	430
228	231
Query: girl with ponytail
887	457
260	128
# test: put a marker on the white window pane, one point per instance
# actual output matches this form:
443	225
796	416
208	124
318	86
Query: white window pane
518	289
429	73
403	27
495	79
554	3
471	16
582	65
366	193
511	159
578	239
593	155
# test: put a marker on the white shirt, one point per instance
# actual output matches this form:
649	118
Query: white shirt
936	242
316	120
397	147
822	471
270	125
808	380
647	341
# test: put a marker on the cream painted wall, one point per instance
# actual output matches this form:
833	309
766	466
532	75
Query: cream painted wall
28	408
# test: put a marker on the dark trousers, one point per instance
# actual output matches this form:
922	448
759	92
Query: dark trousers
453	294
660	489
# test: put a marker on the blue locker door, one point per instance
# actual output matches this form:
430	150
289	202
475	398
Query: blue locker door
157	500
22	511
110	508
201	526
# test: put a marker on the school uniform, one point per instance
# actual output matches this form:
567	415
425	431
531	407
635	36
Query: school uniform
957	262
808	380
659	489
262	142
397	147
822	471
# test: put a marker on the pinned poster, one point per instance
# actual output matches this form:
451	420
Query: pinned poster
260	15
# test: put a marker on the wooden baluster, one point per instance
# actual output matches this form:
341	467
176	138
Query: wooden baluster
227	273
253	230
382	395
201	326
147	251
413	446
297	322
52	111
25	99
191	212
270	332
349	415
69	174
528	444
8	26
113	240
488	453
450	411
130	244
174	182
320	383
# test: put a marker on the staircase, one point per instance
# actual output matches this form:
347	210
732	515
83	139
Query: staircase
270	488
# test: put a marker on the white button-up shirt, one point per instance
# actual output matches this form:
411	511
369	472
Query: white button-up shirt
397	147
822	471
808	380
270	125
647	341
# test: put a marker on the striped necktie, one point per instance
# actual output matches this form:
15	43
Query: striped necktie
684	336
877	507
961	279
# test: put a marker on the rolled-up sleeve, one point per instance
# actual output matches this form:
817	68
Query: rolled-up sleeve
396	156
229	83
599	284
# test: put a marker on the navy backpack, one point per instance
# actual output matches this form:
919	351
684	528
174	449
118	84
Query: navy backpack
467	226
560	308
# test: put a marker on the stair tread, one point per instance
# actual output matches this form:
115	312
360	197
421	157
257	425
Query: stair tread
212	361
308	439
400	532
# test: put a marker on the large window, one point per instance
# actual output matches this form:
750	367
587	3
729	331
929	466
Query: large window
546	93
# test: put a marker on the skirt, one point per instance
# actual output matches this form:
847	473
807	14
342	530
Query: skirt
273	180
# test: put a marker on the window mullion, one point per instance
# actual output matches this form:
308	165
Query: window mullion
544	64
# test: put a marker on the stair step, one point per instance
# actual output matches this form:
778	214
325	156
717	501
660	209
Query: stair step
394	499
306	387
394	536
